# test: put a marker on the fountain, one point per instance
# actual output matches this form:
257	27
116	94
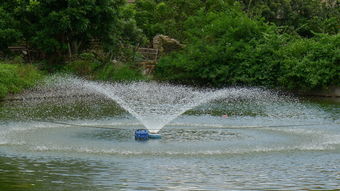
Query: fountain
69	130
154	104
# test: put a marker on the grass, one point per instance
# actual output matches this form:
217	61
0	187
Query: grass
16	76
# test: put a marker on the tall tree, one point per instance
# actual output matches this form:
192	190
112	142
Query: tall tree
8	33
57	27
168	16
303	17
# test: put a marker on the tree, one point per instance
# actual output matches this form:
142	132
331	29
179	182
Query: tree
229	48
60	27
220	42
304	17
8	33
168	16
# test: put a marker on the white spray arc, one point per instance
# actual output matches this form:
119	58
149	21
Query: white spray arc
156	104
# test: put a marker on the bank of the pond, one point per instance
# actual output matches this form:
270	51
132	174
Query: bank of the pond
327	92
15	77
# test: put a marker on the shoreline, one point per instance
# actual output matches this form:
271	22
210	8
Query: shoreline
330	94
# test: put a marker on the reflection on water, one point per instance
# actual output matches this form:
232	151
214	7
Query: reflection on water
284	171
89	145
20	173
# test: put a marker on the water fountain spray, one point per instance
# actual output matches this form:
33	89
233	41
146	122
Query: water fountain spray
154	104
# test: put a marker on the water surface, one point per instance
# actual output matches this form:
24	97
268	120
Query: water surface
88	144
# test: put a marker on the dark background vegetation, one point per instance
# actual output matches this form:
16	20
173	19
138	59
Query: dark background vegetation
291	45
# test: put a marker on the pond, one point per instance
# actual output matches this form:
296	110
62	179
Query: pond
86	143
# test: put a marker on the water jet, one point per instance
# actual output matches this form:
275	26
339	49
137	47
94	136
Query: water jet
82	129
156	104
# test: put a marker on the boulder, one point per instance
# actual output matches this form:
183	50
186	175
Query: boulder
165	44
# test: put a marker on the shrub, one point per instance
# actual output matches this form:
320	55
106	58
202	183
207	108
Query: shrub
221	48
8	33
3	90
16	77
304	17
231	49
119	72
84	65
89	66
168	17
311	63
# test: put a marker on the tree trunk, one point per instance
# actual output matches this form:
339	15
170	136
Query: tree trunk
76	46
69	50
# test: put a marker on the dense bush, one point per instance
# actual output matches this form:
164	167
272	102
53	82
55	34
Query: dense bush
8	34
228	48
14	77
168	16
220	45
119	72
89	66
304	17
278	43
83	65
310	63
58	30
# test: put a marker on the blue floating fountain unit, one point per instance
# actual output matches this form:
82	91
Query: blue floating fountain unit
143	135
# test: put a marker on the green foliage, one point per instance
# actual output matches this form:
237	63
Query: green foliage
303	17
228	48
14	77
119	72
130	33
8	33
168	16
66	27
219	41
90	66
285	43
3	90
84	65
60	30
311	63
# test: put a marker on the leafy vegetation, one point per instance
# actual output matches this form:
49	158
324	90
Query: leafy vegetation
286	44
92	67
310	63
119	72
228	48
220	42
16	76
168	16
303	17
8	34
57	29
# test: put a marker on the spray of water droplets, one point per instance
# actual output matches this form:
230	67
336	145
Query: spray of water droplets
157	104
